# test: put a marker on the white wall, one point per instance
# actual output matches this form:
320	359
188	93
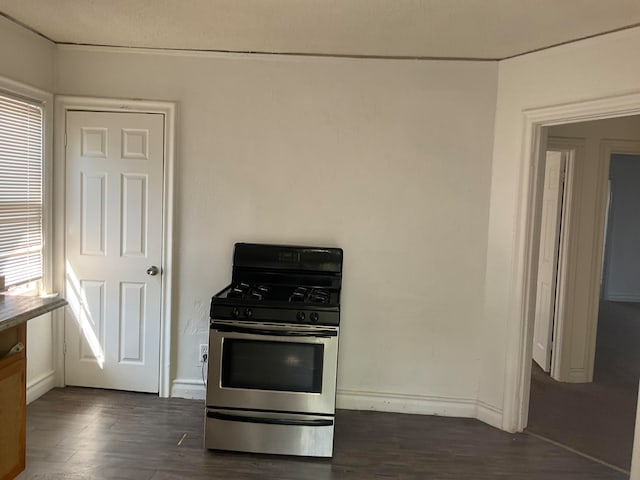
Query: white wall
29	59
41	365
595	68
389	160
26	57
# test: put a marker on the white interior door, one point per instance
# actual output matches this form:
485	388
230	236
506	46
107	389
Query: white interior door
548	258
114	176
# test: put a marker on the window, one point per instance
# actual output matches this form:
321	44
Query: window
21	192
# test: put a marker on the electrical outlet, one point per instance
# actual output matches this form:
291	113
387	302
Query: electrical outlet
204	352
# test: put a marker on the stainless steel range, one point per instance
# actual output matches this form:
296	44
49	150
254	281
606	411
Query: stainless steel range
273	352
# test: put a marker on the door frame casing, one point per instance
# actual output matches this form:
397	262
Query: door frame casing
63	104
522	291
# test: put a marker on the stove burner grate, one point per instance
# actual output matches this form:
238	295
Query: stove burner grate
260	292
309	295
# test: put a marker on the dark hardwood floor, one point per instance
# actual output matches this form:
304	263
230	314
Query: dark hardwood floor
596	418
592	418
77	433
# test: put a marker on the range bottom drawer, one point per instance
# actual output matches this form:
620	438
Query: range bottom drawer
274	433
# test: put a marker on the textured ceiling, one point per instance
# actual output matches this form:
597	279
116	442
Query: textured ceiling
482	29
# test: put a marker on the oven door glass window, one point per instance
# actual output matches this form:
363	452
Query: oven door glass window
265	365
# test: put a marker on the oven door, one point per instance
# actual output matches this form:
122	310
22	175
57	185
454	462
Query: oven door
272	367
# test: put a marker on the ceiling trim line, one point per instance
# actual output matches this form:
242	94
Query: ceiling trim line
575	40
323	55
270	53
27	27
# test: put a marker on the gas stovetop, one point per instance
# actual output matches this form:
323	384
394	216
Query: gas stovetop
299	295
275	283
277	303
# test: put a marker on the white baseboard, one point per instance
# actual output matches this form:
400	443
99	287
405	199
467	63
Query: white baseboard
489	414
41	385
191	388
579	375
404	403
381	402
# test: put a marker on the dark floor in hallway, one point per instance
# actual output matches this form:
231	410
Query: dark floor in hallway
595	418
76	433
592	418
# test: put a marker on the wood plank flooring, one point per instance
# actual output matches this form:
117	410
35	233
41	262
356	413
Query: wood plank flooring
77	433
595	418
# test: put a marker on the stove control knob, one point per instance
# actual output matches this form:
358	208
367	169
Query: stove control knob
248	312
235	313
314	317
300	316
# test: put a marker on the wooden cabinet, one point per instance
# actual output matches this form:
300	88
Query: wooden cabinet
12	403
15	311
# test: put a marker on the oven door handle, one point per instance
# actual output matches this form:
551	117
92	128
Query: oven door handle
276	332
318	422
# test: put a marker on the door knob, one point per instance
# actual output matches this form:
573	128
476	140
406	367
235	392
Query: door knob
153	270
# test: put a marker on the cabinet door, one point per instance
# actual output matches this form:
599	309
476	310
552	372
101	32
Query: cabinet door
12	417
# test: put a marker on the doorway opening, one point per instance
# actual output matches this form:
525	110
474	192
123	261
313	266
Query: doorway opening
584	373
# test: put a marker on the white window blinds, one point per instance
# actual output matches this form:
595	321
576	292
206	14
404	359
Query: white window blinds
21	150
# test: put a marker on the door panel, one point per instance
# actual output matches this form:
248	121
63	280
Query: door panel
134	215
132	322
114	174
92	320
548	259
93	206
